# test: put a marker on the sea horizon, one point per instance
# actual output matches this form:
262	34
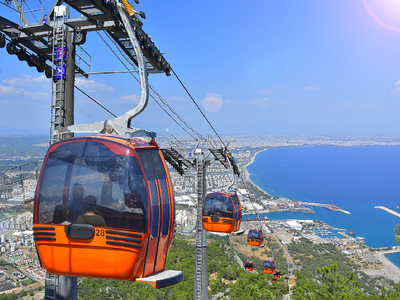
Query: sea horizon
354	178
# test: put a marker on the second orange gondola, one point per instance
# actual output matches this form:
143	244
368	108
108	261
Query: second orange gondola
222	212
255	237
269	266
249	266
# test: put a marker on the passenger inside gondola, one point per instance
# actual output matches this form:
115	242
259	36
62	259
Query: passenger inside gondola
90	217
60	215
75	205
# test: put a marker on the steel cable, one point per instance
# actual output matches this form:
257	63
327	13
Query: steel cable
151	87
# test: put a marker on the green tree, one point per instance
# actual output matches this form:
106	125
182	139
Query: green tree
397	233
330	285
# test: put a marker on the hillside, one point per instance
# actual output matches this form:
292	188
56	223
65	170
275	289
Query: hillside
229	281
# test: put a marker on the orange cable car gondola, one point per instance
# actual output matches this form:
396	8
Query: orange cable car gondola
255	237
277	274
269	266
222	212
129	188
249	266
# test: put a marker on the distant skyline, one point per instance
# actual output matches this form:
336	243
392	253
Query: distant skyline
263	67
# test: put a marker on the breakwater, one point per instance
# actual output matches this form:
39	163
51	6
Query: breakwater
395	213
327	206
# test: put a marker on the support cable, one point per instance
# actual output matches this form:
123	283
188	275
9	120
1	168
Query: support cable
5	4
175	113
154	91
95	101
288	257
40	1
251	201
240	244
31	11
198	107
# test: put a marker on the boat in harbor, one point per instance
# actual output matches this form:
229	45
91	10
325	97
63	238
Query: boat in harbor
351	233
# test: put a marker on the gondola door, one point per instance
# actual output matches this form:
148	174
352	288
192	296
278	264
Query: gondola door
237	211
157	247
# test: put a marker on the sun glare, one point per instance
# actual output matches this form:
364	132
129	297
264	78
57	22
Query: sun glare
385	12
212	102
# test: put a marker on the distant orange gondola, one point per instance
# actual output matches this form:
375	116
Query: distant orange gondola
269	266
255	237
222	212
277	274
104	208
248	266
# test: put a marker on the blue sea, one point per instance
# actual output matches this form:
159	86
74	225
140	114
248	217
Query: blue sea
354	178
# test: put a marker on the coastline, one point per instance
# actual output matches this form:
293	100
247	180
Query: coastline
390	270
252	158
246	172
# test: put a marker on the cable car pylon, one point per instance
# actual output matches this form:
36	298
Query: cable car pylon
199	157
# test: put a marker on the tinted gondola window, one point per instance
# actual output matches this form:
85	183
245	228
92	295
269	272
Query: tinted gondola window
158	164
267	264
148	165
52	189
155	209
207	211
253	234
116	181
236	201
155	170
165	204
218	204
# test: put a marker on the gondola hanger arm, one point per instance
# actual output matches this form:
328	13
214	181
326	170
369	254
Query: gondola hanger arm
120	125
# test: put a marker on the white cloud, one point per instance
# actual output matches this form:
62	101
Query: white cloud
9	90
22	102
267	91
261	102
311	88
372	107
265	102
175	98
397	86
235	103
4	102
37	95
93	86
27	80
128	99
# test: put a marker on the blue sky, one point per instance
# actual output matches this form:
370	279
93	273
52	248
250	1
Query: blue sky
266	67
